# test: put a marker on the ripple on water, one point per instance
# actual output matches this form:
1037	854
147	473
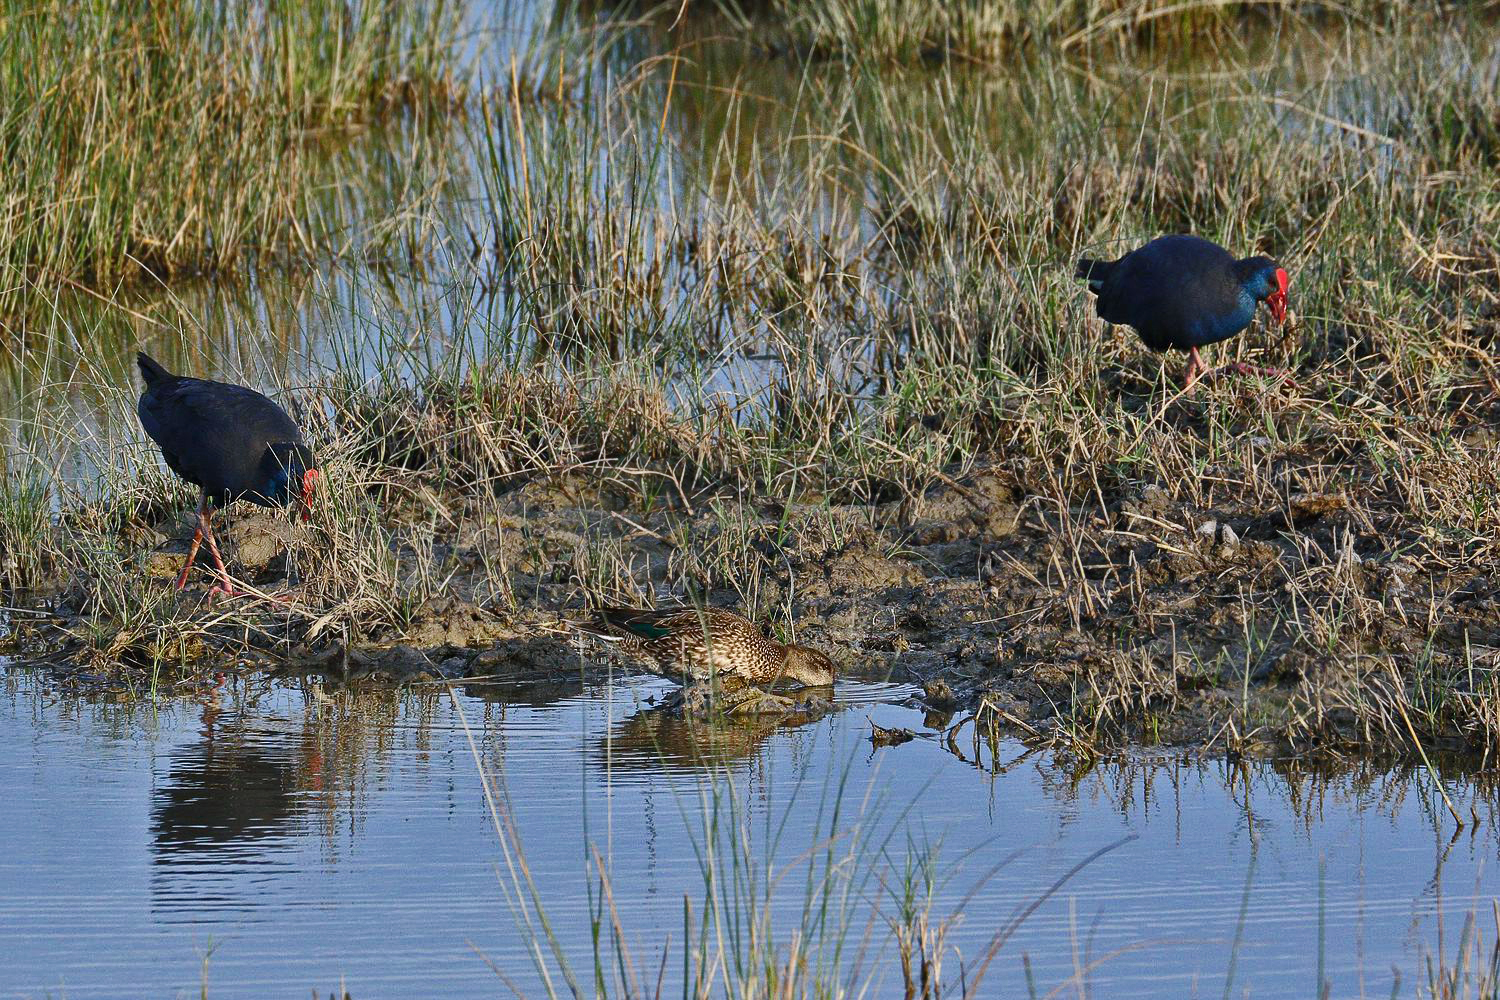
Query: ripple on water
302	838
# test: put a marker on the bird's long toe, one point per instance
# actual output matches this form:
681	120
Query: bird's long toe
1195	368
224	589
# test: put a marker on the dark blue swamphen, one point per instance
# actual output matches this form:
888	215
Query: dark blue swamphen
230	442
1185	292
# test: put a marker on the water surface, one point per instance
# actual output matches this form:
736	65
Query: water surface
279	838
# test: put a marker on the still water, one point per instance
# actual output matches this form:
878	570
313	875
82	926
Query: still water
278	838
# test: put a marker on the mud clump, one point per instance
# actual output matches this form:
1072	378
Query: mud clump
1127	615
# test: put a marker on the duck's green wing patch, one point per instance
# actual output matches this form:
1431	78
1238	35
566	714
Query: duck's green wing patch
646	629
646	625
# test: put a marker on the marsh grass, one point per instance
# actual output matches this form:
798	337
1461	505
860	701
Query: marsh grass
1473	967
977	31
183	137
857	904
723	329
852	912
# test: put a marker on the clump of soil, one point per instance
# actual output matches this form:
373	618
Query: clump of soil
1145	617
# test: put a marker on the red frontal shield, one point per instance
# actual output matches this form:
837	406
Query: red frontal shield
1277	299
309	486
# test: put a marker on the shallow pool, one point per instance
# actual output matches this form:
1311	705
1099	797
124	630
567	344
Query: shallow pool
278	838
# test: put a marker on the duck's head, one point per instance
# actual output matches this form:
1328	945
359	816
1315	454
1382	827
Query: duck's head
807	666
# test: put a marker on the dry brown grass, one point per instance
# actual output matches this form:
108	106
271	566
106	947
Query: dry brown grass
943	462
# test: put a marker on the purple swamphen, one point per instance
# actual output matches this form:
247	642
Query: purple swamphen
230	442
1185	292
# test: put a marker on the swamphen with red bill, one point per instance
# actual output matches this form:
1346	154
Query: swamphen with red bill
1185	292
230	442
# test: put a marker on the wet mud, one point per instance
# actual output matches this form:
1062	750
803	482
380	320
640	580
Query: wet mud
1142	619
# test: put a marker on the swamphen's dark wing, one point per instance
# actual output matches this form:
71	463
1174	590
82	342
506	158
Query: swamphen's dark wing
214	434
1176	291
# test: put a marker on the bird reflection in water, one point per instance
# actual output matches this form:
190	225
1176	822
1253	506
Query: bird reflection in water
234	786
254	781
659	739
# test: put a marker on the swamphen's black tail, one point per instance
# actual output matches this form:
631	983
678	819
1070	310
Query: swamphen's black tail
150	370
1093	271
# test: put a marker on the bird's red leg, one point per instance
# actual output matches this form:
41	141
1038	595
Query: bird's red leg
197	540
1195	365
224	587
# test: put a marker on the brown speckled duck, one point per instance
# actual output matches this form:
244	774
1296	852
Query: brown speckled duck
694	646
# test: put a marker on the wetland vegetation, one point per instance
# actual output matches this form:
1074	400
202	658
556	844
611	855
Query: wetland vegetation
179	138
766	305
732	304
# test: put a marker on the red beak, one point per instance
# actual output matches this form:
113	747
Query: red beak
309	484
1277	299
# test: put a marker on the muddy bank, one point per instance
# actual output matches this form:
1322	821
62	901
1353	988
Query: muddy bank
1143	618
